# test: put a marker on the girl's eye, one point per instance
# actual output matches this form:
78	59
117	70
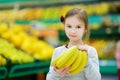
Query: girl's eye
78	27
69	26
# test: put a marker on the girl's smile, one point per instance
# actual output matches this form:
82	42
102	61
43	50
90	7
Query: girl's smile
72	35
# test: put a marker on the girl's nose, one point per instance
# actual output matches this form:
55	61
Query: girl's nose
73	30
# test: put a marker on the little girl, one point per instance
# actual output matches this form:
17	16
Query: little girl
76	27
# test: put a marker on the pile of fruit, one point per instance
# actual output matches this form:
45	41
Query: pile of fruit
105	48
73	57
16	56
47	13
16	35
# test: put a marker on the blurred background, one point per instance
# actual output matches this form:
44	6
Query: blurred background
31	29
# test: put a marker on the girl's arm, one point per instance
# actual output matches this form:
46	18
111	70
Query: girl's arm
92	69
52	75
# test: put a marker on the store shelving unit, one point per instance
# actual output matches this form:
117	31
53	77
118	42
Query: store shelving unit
3	72
29	68
108	66
9	4
39	3
17	70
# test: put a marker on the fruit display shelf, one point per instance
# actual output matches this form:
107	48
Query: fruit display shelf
46	3
92	19
29	68
3	72
17	70
108	67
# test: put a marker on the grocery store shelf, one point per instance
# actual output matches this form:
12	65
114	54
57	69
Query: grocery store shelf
9	4
54	1
43	21
105	33
27	69
3	72
17	70
108	67
93	19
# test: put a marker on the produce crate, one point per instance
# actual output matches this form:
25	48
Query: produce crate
3	72
29	68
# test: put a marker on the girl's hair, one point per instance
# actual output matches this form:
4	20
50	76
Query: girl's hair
82	15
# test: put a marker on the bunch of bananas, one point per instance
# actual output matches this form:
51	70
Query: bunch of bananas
2	61
73	57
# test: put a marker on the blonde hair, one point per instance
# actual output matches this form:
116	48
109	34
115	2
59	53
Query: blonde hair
82	15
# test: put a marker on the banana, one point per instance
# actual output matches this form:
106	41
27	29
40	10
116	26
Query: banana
73	58
77	62
82	65
56	59
64	57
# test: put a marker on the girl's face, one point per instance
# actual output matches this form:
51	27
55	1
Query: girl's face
74	28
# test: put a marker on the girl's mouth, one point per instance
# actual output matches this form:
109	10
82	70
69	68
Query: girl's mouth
72	35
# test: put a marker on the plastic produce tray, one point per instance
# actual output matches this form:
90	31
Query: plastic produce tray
3	72
30	68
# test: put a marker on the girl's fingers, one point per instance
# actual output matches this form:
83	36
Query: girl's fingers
82	48
63	71
67	74
66	70
55	68
59	70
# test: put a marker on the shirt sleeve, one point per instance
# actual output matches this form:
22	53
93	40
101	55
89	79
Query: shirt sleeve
52	75
92	69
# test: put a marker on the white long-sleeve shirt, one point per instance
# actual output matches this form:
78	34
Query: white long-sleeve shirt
90	72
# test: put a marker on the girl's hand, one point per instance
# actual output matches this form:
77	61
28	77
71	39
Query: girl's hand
83	47
63	71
